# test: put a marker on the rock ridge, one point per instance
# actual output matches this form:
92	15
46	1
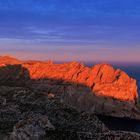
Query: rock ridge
99	89
102	79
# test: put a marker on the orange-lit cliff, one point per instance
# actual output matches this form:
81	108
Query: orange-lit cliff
102	79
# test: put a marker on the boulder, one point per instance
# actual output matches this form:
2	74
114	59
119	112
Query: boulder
32	128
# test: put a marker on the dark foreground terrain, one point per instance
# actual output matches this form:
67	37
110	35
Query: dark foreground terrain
40	116
45	101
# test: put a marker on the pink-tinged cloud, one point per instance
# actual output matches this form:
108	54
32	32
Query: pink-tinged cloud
92	53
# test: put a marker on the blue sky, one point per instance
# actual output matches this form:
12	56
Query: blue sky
84	30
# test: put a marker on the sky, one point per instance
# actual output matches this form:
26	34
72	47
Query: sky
71	30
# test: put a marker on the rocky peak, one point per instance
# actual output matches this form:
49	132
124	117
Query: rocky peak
9	60
102	79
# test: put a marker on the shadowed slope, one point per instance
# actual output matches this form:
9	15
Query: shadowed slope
102	79
99	89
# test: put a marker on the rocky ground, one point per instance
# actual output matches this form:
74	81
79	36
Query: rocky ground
32	115
100	89
46	101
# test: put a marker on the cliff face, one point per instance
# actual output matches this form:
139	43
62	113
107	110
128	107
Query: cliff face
99	89
102	79
9	60
60	101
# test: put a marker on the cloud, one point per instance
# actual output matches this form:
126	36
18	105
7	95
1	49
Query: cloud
98	28
39	31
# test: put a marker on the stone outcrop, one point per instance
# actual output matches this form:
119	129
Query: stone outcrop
43	100
62	122
99	89
32	128
102	79
113	135
38	127
9	60
13	75
34	116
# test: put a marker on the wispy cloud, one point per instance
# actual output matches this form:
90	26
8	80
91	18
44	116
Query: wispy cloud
73	27
40	31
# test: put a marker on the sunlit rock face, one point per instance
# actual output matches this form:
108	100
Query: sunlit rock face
102	79
64	98
8	60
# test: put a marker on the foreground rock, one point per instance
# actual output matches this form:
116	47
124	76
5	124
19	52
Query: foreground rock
33	128
99	89
116	135
42	100
65	123
83	99
102	79
35	132
59	122
38	115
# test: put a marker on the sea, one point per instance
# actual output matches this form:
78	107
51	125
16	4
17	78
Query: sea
124	124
